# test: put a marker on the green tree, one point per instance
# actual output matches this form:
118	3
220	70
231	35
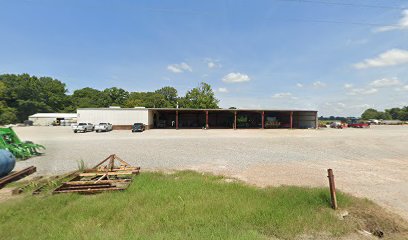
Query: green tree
7	114
384	116
403	114
201	97
395	112
147	99
117	96
370	114
170	94
28	94
89	98
52	93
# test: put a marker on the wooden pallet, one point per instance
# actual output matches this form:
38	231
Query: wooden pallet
89	188
101	178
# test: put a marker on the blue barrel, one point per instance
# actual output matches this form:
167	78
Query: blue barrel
7	162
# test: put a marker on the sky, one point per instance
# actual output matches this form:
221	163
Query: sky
337	57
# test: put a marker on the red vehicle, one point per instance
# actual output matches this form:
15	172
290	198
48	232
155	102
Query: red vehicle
359	125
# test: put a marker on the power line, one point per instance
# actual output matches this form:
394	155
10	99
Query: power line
345	4
338	22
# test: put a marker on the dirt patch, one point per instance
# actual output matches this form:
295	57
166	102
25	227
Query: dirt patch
378	221
6	194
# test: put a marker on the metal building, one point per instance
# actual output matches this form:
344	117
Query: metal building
47	119
182	118
118	117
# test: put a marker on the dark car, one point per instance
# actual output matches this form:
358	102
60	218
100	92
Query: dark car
138	127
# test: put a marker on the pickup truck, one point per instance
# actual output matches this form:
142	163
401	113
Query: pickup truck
83	127
103	127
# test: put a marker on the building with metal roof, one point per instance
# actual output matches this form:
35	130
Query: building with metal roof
47	119
186	118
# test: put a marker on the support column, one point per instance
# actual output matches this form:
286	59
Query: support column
291	120
317	121
177	119
235	120
207	126
263	119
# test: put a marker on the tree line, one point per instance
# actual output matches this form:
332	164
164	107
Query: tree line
23	95
387	114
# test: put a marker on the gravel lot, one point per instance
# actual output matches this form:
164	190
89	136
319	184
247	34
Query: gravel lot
372	163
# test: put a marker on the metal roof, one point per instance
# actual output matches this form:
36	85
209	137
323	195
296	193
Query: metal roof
54	115
201	109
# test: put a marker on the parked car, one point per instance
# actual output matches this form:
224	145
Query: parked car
336	125
138	127
103	127
83	127
374	121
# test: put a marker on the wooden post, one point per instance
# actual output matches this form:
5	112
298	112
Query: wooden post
291	120
177	113
235	120
263	119
332	189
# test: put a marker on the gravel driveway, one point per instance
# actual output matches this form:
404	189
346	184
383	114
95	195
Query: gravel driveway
372	162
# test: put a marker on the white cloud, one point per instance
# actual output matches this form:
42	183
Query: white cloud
299	85
222	90
385	82
179	68
389	58
362	91
174	69
211	63
340	104
401	25
236	78
360	106
405	87
348	85
319	84
285	95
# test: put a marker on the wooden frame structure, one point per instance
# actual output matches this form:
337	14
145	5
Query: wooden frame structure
105	176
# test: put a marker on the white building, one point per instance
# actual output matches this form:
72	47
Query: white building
118	117
123	118
47	119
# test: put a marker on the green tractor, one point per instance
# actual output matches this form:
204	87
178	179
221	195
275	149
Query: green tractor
21	150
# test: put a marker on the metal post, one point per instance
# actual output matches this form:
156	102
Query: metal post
291	120
263	119
177	113
332	189
207	126
235	120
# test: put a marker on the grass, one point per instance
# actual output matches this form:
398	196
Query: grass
81	165
186	205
